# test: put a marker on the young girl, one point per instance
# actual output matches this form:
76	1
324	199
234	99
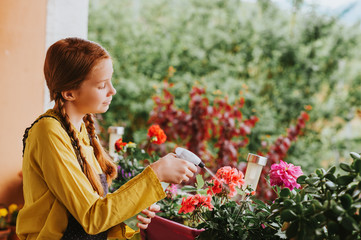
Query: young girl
66	171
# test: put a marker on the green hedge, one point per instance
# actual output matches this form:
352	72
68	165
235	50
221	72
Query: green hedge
279	60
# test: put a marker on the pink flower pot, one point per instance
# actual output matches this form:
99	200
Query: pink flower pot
164	229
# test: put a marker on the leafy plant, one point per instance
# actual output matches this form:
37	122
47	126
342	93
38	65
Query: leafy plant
132	159
218	131
13	214
321	205
3	218
230	210
218	123
327	206
279	60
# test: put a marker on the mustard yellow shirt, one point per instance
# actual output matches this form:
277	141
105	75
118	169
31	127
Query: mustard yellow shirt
55	186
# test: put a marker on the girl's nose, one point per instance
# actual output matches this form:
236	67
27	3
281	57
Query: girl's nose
112	90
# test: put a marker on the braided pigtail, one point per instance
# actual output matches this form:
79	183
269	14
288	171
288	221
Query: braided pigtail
103	158
87	168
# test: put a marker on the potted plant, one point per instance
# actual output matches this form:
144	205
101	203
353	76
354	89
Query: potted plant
4	229
13	214
326	207
168	221
322	205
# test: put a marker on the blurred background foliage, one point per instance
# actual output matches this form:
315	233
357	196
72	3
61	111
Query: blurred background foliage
280	60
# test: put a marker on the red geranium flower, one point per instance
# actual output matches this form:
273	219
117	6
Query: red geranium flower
195	202
227	179
119	144
156	134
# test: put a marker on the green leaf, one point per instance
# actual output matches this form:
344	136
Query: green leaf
313	181
344	180
346	201
288	215
311	189
200	181
310	209
286	192
317	204
357	166
346	167
332	227
355	155
259	202
319	172
356	205
288	202
330	177
349	223
338	210
301	179
189	189
330	185
299	208
298	198
331	170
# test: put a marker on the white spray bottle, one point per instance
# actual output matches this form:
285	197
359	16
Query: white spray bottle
189	156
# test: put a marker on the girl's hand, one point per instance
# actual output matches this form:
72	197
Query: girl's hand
150	213
171	169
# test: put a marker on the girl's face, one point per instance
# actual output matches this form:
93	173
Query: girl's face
96	91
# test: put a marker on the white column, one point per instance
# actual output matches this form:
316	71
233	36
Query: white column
65	18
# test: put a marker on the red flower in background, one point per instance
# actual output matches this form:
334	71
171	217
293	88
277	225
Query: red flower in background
227	176
156	134
119	144
195	202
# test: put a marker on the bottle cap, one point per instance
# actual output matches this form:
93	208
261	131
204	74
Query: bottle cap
116	130
256	159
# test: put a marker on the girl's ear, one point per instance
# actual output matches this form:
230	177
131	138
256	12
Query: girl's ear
68	95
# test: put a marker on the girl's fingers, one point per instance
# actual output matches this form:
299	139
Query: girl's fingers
142	226
189	174
148	213
154	208
143	220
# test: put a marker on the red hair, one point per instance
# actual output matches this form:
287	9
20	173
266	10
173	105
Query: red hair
67	63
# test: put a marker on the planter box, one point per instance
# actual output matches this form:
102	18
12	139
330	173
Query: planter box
164	229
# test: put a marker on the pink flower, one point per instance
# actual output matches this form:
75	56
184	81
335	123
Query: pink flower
195	202
227	179
285	175
171	191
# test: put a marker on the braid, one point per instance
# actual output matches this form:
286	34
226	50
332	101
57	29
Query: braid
87	168
103	158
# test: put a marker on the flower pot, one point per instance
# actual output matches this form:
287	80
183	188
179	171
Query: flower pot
4	234
164	229
13	235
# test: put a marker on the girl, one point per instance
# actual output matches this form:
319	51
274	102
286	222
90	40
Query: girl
65	169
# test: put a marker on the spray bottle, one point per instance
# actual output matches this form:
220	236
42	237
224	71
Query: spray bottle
189	156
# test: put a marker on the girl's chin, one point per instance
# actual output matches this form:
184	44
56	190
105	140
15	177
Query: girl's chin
102	109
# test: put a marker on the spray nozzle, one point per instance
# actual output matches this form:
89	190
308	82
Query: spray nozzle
189	156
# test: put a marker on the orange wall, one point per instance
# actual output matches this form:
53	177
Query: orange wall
22	52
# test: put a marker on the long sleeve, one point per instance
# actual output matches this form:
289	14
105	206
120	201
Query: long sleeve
51	160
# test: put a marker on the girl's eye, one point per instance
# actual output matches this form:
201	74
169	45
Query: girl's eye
102	86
